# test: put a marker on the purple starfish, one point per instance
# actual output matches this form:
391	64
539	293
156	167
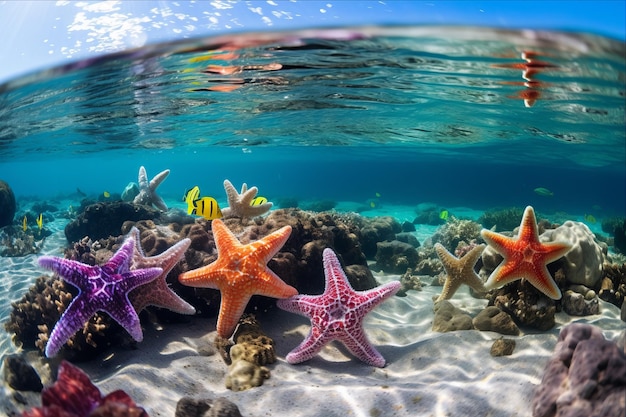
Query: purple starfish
158	293
100	288
337	314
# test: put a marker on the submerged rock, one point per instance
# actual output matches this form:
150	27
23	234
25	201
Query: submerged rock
495	320
448	318
586	376
502	347
7	204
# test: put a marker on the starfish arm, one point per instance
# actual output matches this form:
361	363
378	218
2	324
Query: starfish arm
142	178
357	343
73	272
275	287
136	236
449	288
269	246
470	259
223	237
309	347
231	194
371	298
304	305
205	277
135	278
528	226
162	298
253	211
497	241
158	202
543	282
72	320
120	261
246	197
158	179
126	316
232	307
336	281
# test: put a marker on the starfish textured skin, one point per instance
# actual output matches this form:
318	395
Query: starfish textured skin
147	190
100	288
239	204
525	257
240	272
157	293
459	270
337	314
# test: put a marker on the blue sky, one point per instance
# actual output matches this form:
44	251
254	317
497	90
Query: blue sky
39	34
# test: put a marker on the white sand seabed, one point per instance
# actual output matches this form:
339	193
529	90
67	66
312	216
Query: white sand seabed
427	374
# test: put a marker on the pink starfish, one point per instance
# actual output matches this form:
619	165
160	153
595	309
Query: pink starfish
158	293
337	314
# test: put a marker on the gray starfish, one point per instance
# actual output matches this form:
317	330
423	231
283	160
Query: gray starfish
147	190
240	204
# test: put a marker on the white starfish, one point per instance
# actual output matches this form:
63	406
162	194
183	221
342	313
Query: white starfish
239	204
147	190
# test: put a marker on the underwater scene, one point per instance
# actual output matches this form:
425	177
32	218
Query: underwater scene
380	221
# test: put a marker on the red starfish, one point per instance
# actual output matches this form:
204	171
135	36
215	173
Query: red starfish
525	257
337	314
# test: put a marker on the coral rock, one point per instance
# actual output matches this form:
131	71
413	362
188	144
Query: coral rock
243	375
20	375
495	320
583	263
251	350
206	407
525	304
576	304
101	220
502	347
586	376
395	256
7	204
448	318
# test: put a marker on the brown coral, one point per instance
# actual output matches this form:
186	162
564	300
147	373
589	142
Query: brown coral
36	313
252	350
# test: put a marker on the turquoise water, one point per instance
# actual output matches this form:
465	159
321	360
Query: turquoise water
469	119
415	114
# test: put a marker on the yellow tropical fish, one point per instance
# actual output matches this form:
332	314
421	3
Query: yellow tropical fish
207	207
190	196
543	191
40	221
589	218
372	204
106	194
24	224
377	195
258	201
443	215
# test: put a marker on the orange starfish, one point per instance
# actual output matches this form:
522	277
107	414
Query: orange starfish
240	272
525	257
